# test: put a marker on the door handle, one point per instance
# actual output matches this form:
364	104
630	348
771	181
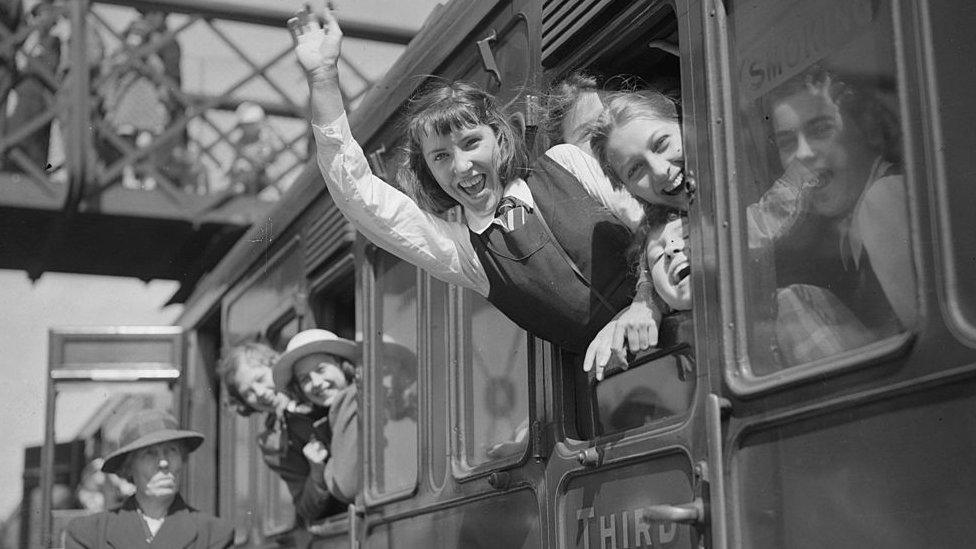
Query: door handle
685	513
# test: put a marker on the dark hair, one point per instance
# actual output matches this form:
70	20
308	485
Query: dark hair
561	98
251	354
859	103
442	108
621	108
349	371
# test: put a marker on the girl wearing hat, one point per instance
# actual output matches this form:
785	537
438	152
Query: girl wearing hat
152	454
320	463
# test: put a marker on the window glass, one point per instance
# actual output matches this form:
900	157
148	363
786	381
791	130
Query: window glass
89	418
495	384
953	50
821	195
393	442
266	296
659	389
437	353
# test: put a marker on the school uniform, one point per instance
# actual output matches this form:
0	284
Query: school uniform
564	294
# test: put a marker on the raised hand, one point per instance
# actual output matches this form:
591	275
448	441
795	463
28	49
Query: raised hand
316	47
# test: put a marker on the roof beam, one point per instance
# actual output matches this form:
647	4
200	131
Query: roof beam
263	15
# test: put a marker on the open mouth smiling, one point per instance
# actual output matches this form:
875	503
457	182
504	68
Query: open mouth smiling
471	186
679	271
675	185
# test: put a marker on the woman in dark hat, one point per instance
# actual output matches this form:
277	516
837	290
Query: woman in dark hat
152	455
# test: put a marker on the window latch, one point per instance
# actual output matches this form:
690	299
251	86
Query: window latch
488	56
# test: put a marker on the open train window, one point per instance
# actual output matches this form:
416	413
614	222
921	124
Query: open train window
333	299
634	48
823	261
391	377
638	47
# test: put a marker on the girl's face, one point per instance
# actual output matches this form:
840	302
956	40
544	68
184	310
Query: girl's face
585	109
320	377
255	385
646	155
669	266
808	131
465	164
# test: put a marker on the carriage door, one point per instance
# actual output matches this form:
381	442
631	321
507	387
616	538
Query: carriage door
98	378
631	467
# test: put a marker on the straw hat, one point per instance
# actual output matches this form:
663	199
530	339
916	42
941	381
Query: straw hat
146	428
309	342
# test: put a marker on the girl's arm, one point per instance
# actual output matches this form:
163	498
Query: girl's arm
386	216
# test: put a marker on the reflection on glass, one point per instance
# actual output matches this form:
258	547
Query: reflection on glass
394	382
496	386
657	390
820	180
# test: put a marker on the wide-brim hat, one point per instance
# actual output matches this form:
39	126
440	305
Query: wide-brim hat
308	342
146	428
393	355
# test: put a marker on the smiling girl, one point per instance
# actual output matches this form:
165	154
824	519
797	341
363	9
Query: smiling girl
531	238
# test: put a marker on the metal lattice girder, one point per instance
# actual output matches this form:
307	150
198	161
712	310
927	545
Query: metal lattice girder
263	15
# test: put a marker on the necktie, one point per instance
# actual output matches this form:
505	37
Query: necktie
510	214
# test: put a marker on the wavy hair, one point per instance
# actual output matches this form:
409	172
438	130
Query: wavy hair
859	101
444	107
624	107
251	354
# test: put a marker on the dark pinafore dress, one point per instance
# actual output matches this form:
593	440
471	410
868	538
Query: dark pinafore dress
561	277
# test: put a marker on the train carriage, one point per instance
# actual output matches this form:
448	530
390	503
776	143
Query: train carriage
477	434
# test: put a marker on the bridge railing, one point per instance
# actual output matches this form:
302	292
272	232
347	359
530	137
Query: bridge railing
141	117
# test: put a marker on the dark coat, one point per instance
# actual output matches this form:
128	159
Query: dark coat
184	528
320	489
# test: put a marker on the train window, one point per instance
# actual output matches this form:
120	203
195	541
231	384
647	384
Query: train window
393	378
334	301
824	258
96	412
437	373
952	46
267	296
492	422
659	389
